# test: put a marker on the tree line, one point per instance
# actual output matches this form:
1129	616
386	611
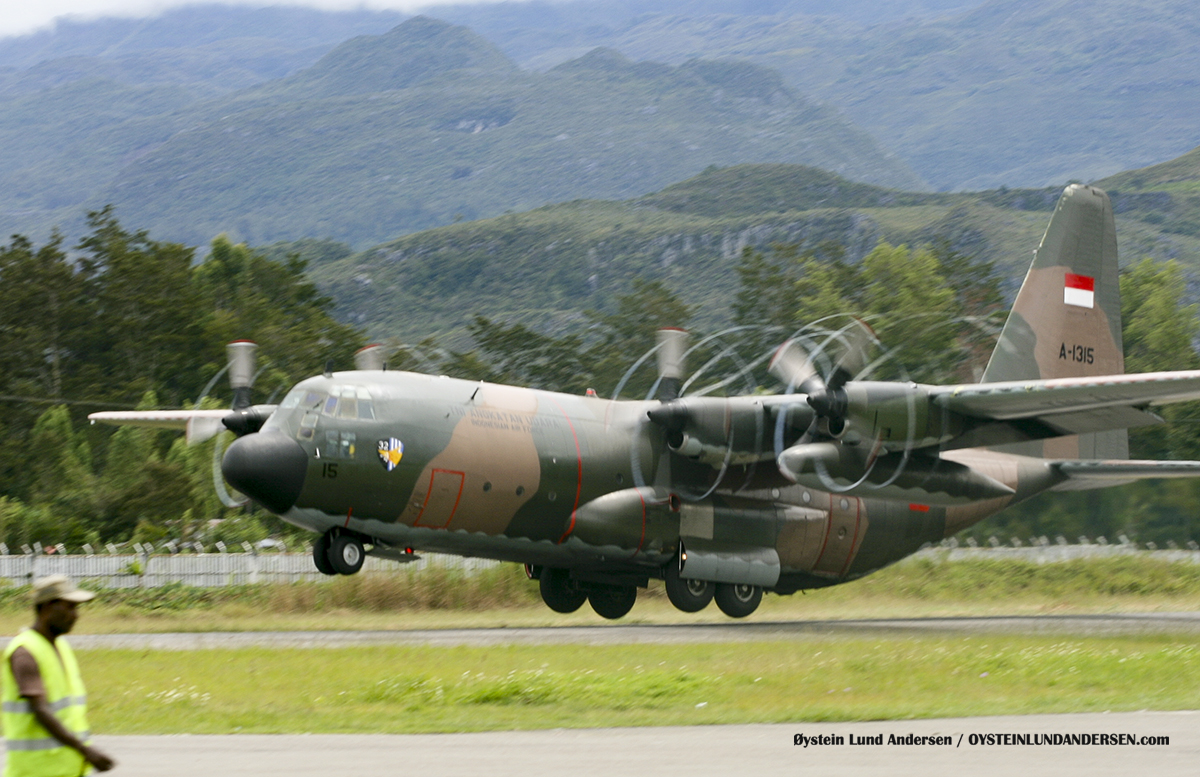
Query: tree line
121	320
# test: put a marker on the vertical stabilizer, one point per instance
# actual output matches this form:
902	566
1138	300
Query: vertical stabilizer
1066	320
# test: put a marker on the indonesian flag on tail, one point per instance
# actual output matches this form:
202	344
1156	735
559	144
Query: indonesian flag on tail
1080	290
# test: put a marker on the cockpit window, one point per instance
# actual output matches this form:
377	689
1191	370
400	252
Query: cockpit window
339	445
292	399
366	406
307	424
350	402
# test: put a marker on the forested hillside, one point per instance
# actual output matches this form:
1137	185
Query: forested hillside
543	267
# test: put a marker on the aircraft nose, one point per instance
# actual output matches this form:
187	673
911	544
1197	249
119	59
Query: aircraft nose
268	467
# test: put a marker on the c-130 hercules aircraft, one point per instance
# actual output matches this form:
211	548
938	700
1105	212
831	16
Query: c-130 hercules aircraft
720	497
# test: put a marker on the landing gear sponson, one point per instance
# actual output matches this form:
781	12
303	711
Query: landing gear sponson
613	596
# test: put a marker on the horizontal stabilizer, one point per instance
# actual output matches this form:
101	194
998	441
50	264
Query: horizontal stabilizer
1090	473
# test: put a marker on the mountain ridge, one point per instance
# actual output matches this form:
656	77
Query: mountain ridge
423	125
543	268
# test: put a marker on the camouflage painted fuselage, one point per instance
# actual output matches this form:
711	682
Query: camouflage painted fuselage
476	469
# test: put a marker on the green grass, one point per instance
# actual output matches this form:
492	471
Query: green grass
435	689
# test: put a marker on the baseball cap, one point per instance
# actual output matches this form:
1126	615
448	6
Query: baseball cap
52	587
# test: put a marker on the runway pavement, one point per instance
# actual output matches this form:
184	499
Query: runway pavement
716	751
733	631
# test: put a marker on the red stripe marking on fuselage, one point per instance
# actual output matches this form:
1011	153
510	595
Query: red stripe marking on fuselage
578	471
850	554
642	540
828	530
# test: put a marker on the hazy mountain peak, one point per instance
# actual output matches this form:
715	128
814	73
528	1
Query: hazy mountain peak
737	77
612	64
415	51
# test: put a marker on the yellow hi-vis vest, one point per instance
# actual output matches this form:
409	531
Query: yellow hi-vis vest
32	752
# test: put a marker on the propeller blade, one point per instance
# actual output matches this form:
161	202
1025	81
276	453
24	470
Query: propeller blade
372	357
793	365
201	428
672	344
857	340
241	358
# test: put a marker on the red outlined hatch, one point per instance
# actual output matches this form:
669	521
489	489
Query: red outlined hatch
441	500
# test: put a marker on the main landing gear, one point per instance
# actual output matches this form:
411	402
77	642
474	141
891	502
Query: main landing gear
563	594
338	554
613	596
737	600
688	595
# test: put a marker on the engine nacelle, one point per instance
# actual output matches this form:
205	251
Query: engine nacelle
899	415
922	478
636	520
740	430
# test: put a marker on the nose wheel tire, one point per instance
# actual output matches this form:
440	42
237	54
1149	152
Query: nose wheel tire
688	595
738	600
321	555
346	555
558	593
613	603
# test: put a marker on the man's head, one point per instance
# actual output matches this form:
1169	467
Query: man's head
56	600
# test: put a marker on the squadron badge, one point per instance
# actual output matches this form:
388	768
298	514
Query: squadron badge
390	452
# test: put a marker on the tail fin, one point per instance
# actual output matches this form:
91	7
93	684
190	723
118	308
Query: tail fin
1066	320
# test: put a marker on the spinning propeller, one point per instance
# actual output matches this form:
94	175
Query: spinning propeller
241	418
825	448
833	430
798	369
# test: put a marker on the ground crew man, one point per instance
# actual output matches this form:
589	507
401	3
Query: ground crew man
45	704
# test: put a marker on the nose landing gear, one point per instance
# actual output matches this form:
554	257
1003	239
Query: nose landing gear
338	554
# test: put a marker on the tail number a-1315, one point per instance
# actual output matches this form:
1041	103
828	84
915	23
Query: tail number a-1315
1078	353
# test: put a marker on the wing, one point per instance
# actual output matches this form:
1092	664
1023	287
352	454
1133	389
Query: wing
1042	408
199	424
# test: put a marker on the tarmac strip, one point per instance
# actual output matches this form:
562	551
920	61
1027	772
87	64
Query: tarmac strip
702	751
1082	625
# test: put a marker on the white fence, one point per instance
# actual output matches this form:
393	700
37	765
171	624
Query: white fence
201	569
1041	550
1049	554
209	570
